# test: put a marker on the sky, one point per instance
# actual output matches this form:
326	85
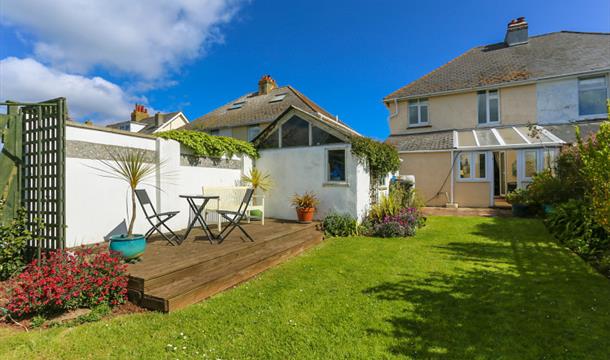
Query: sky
196	55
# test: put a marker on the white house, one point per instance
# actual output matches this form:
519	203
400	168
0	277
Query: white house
141	122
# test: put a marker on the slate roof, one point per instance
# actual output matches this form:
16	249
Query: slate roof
437	140
567	133
547	55
256	109
149	122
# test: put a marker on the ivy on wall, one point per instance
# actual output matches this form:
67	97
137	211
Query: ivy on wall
208	145
382	158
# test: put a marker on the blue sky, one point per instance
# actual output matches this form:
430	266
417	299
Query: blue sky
345	55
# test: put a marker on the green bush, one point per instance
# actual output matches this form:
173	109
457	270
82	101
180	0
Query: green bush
405	195
574	225
547	189
382	158
387	206
340	225
518	196
14	236
209	145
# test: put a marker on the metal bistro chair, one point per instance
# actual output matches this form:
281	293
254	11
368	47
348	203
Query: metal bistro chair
157	220
234	217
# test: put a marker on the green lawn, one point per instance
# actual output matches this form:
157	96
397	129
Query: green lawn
463	288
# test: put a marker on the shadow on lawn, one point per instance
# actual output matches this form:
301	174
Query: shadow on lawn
511	295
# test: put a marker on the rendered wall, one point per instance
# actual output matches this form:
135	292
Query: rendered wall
98	206
472	194
431	169
301	169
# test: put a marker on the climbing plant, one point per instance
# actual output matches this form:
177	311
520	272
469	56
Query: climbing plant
382	158
209	145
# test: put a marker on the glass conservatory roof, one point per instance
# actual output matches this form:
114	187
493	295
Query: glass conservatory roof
506	137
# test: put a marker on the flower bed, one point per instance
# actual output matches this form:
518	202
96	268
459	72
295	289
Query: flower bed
66	280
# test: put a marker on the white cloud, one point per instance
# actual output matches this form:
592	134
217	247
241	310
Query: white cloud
27	80
143	38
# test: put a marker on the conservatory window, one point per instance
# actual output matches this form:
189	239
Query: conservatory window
473	166
295	132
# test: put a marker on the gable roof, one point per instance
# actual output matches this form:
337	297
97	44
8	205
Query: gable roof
326	122
149	123
256	109
544	56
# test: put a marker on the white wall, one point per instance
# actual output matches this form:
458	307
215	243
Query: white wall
97	206
557	101
301	169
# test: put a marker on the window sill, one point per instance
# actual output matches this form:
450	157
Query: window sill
483	180
591	117
335	184
488	125
415	126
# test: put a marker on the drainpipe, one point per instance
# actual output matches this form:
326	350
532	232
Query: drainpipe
452	175
393	114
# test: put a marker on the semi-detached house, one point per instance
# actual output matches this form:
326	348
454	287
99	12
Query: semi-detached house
486	122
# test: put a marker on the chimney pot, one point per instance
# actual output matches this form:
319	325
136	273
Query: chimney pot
266	84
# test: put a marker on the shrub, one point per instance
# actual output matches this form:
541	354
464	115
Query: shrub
204	144
387	206
389	229
67	280
406	195
574	225
546	189
14	237
518	196
382	158
340	225
404	223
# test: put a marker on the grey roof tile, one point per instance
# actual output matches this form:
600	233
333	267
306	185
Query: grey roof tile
439	140
543	56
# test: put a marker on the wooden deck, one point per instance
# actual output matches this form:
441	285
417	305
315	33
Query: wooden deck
171	277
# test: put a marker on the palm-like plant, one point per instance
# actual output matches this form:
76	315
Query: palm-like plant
133	167
258	180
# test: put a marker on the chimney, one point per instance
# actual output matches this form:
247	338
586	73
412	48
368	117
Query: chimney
266	84
158	119
139	112
516	33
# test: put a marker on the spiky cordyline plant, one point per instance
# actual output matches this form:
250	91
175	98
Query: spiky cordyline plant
258	180
133	167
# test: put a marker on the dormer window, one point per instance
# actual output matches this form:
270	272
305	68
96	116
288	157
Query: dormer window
418	112
592	94
278	98
488	107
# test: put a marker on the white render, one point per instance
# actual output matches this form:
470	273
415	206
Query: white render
98	206
301	169
557	101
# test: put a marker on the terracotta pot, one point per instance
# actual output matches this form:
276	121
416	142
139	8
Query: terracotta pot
305	215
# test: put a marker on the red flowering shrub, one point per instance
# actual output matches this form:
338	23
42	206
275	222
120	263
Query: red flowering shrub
67	280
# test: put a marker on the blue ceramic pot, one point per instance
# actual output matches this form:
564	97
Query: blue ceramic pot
128	247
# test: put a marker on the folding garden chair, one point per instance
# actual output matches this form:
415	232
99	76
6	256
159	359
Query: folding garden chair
157	220
234	217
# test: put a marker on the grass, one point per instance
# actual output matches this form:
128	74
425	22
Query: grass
463	288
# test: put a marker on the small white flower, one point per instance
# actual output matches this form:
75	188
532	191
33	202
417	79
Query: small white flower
184	348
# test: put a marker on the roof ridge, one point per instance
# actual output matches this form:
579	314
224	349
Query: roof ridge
312	104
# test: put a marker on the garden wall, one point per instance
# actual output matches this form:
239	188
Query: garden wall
98	206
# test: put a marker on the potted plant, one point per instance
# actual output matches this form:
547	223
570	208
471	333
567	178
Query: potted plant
519	201
132	167
258	180
305	205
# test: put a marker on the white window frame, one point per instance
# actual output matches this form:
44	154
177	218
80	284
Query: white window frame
593	116
418	103
327	180
522	180
472	156
487	98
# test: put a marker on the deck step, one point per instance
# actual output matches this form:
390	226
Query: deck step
195	283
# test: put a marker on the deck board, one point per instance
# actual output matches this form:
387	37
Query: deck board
170	277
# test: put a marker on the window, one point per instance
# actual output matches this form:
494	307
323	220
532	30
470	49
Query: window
277	98
536	160
321	137
253	132
488	107
473	166
531	162
336	165
592	94
237	105
418	112
295	132
215	132
271	142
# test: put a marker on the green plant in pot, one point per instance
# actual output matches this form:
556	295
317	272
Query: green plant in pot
519	199
305	205
134	168
259	181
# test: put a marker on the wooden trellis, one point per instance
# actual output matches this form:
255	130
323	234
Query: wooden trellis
42	169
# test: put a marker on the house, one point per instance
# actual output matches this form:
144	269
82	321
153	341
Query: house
487	121
245	117
142	122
